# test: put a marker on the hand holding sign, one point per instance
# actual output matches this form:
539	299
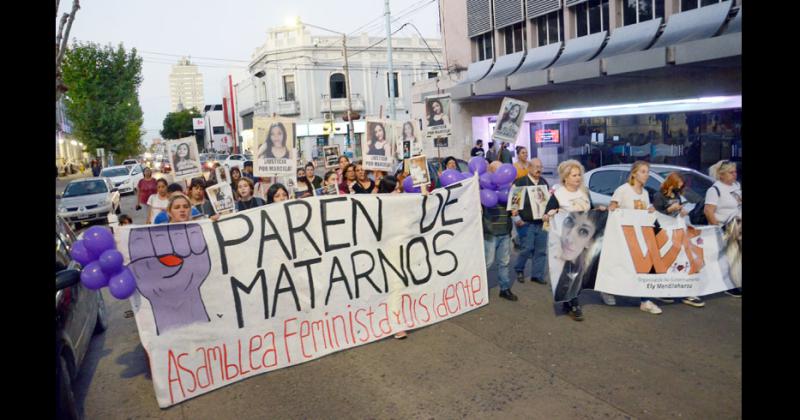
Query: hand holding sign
170	264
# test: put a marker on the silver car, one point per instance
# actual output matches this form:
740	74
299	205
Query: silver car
88	199
604	180
124	178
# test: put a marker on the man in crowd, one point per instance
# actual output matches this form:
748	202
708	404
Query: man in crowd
530	227
491	155
505	155
478	149
497	245
247	171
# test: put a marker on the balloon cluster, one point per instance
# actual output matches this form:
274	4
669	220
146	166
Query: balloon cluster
102	263
495	180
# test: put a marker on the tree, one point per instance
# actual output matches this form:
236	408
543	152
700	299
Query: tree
64	26
179	124
103	100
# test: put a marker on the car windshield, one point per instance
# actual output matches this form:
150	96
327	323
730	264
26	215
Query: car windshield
695	185
85	188
222	157
112	172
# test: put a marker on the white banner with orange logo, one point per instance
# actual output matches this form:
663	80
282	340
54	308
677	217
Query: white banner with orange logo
653	255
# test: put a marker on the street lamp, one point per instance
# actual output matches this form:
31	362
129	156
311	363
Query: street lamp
294	22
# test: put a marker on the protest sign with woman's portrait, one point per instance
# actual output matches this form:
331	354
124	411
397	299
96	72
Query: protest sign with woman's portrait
573	251
437	116
276	153
509	120
331	156
377	150
408	144
184	158
418	170
221	197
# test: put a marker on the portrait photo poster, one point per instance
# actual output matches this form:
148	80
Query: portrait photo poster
509	120
221	196
538	195
377	145
516	195
408	143
275	143
331	156
418	170
437	116
184	158
223	174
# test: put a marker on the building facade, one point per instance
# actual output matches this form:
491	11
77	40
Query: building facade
68	148
607	81
185	86
298	75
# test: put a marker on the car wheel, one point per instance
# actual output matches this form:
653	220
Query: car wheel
66	408
102	315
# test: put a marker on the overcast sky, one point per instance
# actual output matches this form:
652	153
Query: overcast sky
163	30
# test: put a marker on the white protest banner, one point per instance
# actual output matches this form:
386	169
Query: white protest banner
509	120
184	158
377	148
437	117
673	260
274	286
276	154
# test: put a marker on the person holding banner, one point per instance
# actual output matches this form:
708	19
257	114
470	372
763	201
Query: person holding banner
179	208
573	196
632	195
497	245
277	193
236	175
668	201
724	200
246	198
532	235
363	185
197	195
261	187
343	163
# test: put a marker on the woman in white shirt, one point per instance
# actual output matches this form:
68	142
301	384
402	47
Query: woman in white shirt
723	199
157	202
632	195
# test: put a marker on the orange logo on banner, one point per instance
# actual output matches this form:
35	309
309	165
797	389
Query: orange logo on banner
644	264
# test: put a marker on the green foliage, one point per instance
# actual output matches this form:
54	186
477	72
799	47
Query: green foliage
179	124
102	102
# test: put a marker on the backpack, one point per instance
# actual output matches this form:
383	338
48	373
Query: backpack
698	216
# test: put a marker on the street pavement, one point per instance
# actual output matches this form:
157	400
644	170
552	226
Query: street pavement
505	360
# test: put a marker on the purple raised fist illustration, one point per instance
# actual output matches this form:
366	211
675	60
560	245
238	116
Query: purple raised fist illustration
170	262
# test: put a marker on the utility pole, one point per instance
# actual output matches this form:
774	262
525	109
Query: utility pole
351	135
389	53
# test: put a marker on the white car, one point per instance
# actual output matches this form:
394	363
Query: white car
235	161
88	199
125	179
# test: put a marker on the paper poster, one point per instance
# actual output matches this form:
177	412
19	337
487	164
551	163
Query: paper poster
275	139
377	147
509	120
184	158
516	195
221	197
418	170
437	117
538	195
408	142
331	156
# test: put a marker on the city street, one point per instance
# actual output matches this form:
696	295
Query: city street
504	360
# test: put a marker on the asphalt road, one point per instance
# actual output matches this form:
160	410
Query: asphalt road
504	360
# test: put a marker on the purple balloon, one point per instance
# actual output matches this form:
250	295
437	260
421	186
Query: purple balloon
81	254
478	164
504	187
408	186
486	181
502	196
464	176
92	276
449	176
123	284
505	174
98	239
488	198
110	261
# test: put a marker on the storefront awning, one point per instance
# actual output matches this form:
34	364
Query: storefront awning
495	81
631	38
532	71
691	25
735	25
475	72
573	65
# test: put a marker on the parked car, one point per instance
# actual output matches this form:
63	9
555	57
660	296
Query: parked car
124	178
80	312
604	180
88	200
130	163
434	165
235	161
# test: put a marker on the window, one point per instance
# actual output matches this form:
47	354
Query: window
514	36
219	130
694	4
217	107
605	182
635	11
591	17
433	74
396	85
338	86
483	46
288	88
550	28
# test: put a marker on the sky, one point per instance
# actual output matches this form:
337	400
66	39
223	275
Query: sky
224	33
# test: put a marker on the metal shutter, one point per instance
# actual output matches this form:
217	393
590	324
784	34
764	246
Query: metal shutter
571	3
479	17
538	8
507	12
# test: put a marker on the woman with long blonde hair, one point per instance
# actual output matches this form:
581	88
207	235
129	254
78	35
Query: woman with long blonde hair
724	200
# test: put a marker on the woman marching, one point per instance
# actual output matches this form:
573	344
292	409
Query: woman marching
573	197
363	184
197	196
632	195
158	202
179	208
724	200
147	186
246	198
277	193
348	179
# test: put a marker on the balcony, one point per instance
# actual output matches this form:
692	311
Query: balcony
288	108
261	108
340	104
